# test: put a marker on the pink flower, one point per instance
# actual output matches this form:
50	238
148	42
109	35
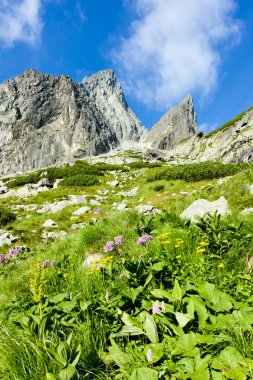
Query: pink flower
119	240
144	239
109	247
149	355
156	308
163	307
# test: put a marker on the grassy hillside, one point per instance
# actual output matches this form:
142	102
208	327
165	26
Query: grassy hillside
161	299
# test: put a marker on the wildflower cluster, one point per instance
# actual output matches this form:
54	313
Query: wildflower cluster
164	237
12	253
179	242
202	247
99	263
112	245
47	262
144	239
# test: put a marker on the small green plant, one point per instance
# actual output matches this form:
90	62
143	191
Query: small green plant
6	216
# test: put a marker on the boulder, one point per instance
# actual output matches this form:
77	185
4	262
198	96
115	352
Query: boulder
201	207
49	223
113	183
147	209
81	211
247	211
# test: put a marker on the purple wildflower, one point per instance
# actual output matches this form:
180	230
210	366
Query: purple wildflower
2	259
142	228
119	240
45	264
52	263
149	355
109	247
144	239
119	251
121	276
156	308
97	210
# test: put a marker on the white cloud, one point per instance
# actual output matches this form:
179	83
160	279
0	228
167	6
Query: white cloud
206	128
174	47
20	20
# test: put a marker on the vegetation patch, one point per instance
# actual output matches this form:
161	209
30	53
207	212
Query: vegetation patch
197	172
6	216
80	180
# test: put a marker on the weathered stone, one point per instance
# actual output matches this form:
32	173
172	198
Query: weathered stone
113	183
49	223
201	207
77	226
81	211
52	208
54	235
176	125
147	209
7	238
247	211
94	202
3	189
122	207
131	193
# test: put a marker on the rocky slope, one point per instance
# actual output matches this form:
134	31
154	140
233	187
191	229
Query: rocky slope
232	143
48	120
177	124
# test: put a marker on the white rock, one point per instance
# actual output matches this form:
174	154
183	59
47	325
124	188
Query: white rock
56	183
201	207
50	223
77	226
81	211
54	235
251	190
131	193
113	183
3	189
247	211
90	260
7	238
94	202
122	207
220	182
147	209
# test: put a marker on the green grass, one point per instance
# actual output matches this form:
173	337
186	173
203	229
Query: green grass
61	311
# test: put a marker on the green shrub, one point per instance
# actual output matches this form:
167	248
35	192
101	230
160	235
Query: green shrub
6	216
24	179
80	180
110	167
141	164
71	171
198	172
158	187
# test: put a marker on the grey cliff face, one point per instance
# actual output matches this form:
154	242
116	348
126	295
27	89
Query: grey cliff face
48	120
105	91
176	125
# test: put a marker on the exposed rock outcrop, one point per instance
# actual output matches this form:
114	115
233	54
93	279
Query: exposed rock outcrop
105	91
176	125
48	120
232	143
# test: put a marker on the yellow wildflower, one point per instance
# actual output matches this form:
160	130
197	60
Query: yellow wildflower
65	275
203	244
165	242
177	245
178	257
221	266
200	250
164	235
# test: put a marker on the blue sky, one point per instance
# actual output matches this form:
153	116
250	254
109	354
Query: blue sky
159	49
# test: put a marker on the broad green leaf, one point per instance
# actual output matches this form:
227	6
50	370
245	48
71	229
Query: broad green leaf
216	300
122	359
161	294
200	309
68	306
186	346
149	278
183	319
128	331
84	305
176	292
50	376
212	339
238	373
149	326
133	293
130	321
228	358
217	375
144	374
67	373
158	267
58	297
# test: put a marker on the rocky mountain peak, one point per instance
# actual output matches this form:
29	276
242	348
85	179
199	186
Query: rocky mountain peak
176	125
105	91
